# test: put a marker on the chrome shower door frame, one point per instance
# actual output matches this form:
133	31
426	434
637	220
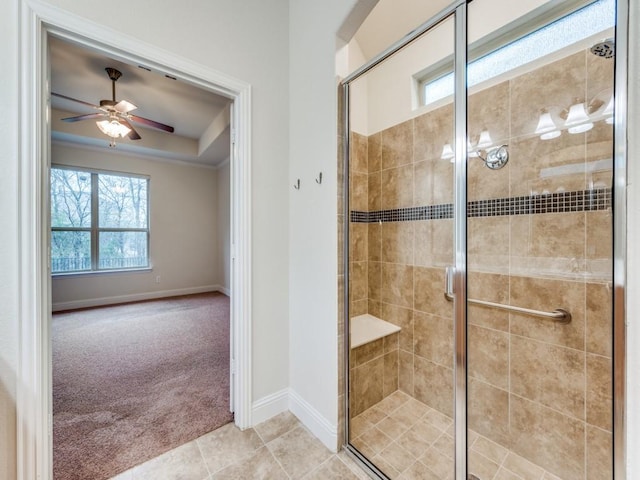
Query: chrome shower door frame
458	9
620	158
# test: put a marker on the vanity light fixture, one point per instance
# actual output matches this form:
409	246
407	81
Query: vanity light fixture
485	140
493	157
447	152
578	120
547	128
471	151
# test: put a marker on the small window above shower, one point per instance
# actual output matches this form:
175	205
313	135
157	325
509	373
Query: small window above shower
510	51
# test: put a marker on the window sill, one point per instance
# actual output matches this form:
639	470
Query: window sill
102	272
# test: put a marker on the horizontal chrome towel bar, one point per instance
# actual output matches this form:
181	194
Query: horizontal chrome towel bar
559	315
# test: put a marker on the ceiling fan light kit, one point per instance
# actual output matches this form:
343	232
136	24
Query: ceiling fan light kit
117	123
114	129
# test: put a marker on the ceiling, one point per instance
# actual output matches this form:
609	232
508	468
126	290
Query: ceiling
200	117
389	21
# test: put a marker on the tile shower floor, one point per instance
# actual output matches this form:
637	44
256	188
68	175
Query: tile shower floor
280	448
408	440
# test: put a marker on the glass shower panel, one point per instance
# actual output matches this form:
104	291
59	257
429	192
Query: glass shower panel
401	239
539	237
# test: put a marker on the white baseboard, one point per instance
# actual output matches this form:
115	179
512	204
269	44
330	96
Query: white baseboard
135	297
270	406
286	399
314	421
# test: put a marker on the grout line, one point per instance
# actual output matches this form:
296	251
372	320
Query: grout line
266	445
317	467
501	464
206	465
573	349
260	436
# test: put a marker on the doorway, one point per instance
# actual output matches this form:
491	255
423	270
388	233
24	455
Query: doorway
34	407
479	226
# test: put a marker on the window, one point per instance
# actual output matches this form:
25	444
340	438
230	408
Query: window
99	221
582	24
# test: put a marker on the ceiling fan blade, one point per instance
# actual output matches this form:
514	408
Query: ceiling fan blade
133	135
88	116
75	100
151	123
123	106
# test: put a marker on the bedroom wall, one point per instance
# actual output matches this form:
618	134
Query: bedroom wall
184	232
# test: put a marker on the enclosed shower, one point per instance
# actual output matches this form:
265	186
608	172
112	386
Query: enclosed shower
481	154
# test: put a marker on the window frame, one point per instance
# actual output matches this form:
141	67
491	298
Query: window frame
94	229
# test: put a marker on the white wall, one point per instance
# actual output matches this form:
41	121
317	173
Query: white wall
392	90
184	225
247	40
224	227
348	59
312	212
9	271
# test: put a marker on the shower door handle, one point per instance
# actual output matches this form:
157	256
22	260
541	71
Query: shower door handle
448	282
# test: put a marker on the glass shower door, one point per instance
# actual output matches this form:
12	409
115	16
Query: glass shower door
400	243
479	344
539	238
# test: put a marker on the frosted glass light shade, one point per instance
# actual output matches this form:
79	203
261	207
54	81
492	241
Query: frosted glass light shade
550	135
578	120
447	152
485	140
581	128
471	151
113	128
545	124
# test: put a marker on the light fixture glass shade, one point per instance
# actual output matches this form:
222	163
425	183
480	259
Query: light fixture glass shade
485	140
550	135
578	120
471	151
447	152
545	124
607	113
583	127
113	128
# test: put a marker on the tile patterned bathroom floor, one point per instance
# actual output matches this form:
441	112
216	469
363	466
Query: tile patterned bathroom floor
408	440
280	448
405	438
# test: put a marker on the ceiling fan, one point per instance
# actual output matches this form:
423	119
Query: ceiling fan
116	119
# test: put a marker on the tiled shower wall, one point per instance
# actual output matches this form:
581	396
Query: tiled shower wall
541	389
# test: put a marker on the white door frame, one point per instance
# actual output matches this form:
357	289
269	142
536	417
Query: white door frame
34	394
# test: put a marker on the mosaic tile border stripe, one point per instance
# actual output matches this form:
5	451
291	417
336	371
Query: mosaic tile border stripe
560	202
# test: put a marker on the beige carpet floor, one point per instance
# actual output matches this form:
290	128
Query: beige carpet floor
133	381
